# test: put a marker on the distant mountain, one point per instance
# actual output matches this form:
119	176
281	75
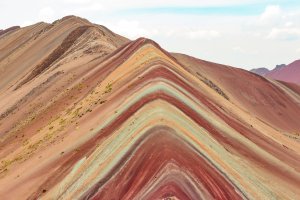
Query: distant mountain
287	73
260	71
278	67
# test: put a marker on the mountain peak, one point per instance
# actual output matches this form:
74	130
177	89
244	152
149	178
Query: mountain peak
72	19
278	67
260	71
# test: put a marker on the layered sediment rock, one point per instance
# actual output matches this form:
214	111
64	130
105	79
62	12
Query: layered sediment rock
109	118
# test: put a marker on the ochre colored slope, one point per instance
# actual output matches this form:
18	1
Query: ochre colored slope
25	50
138	123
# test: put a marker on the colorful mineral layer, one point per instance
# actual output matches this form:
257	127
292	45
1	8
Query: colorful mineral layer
88	114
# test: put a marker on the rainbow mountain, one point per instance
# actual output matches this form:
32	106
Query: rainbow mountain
88	114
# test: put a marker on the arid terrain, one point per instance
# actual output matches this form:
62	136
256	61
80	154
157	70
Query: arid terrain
88	114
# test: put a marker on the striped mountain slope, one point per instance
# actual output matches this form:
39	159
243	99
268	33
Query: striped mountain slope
88	114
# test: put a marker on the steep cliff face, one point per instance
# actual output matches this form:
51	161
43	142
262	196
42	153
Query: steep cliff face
88	114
